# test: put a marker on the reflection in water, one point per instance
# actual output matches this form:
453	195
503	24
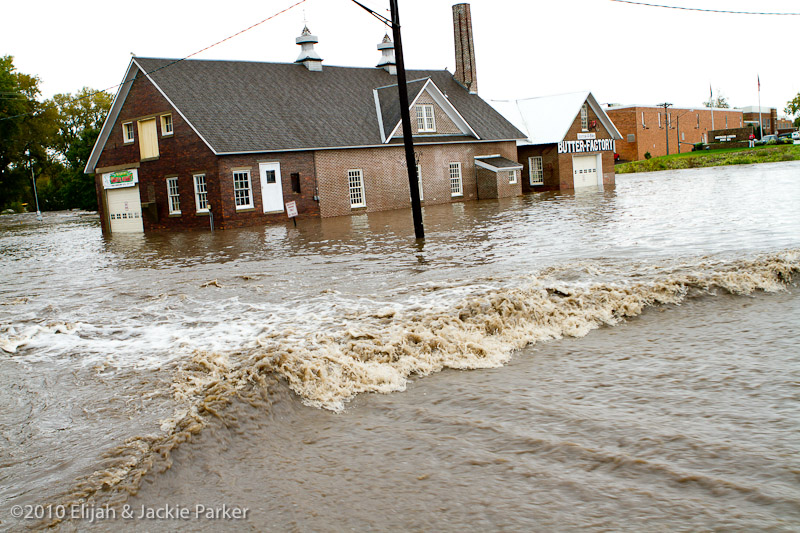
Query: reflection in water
115	350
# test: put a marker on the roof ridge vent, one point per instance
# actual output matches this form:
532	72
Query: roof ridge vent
387	61
308	56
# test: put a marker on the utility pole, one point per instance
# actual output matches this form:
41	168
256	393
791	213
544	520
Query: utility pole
405	116
665	105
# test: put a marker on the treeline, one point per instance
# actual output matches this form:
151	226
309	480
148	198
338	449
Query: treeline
49	139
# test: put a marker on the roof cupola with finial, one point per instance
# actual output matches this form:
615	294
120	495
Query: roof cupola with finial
308	56
387	56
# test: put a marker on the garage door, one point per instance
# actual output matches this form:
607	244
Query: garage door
125	210
584	171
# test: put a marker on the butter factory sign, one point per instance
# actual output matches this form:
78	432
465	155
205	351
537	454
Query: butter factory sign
589	145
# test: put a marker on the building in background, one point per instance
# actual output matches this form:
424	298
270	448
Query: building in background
649	128
768	118
569	141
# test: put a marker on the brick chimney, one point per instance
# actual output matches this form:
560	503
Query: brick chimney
465	51
387	56
773	120
308	56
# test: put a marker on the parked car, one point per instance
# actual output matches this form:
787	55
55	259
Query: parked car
796	135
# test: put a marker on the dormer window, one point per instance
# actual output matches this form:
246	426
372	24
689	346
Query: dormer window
584	117
425	121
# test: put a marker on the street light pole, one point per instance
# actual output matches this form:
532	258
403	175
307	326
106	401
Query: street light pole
35	194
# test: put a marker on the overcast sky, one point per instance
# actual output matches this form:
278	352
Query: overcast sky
623	53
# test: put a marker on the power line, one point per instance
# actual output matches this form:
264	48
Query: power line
704	10
89	95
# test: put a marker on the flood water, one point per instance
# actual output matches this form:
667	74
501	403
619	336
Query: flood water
618	359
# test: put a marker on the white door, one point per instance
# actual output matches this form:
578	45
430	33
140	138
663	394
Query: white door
125	210
271	190
584	171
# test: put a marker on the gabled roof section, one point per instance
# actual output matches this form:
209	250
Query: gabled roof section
391	120
387	105
547	119
113	113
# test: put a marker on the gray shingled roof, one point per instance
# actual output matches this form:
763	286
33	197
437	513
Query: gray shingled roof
389	101
498	163
242	106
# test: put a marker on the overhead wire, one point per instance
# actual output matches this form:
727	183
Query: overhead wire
703	9
89	95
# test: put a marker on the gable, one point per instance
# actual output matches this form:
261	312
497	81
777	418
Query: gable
548	119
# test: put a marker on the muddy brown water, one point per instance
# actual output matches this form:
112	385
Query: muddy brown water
618	359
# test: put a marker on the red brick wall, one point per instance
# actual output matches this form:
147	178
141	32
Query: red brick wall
299	162
652	138
386	178
181	154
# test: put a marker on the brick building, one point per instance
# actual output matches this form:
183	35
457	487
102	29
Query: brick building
649	129
569	141
239	140
767	117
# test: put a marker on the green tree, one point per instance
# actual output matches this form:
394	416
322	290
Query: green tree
80	117
87	109
793	108
721	101
27	132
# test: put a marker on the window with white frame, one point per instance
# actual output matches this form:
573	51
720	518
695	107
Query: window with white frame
512	177
127	132
200	193
698	121
242	190
584	117
355	180
173	198
659	120
536	170
669	120
643	124
726	121
456	185
425	121
166	125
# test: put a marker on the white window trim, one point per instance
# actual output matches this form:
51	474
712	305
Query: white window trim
249	190
659	120
173	196
127	139
643	124
512	177
426	120
197	193
584	117
164	132
539	171
455	166
359	187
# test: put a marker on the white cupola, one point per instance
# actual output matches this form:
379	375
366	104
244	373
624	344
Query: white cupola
308	56
387	56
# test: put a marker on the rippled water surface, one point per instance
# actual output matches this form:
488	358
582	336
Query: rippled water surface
228	367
